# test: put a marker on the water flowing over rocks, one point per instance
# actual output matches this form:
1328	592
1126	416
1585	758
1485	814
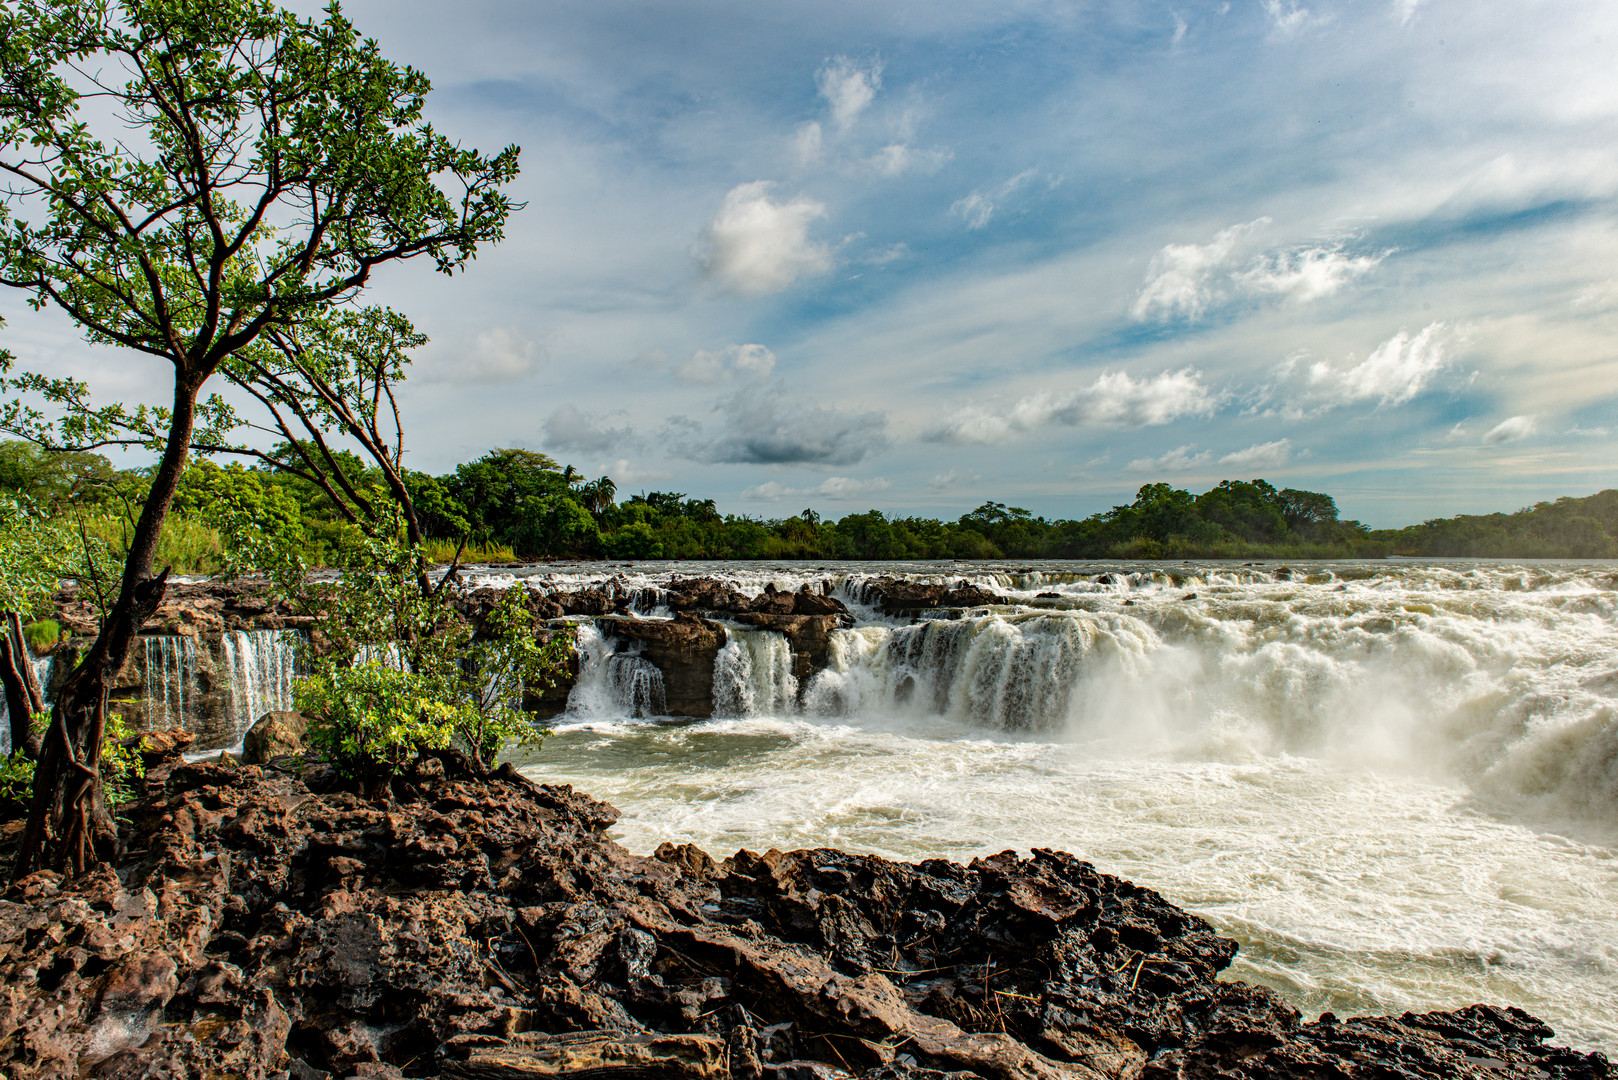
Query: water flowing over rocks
274	925
902	596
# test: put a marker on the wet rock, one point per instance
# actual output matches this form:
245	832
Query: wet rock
808	635
895	596
275	734
484	927
683	649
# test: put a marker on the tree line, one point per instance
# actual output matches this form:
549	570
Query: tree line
514	504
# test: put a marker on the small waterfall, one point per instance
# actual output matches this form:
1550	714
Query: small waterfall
752	675
613	684
259	669
170	684
44	670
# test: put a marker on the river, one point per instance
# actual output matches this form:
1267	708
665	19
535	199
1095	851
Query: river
1394	783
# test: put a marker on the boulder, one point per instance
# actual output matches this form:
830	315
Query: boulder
682	648
276	734
897	596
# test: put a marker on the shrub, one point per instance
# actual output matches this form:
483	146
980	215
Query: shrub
372	719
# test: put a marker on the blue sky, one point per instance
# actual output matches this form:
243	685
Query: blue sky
915	256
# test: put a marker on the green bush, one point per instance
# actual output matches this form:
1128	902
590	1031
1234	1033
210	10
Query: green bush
374	720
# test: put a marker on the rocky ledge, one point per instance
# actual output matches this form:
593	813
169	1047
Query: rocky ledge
274	925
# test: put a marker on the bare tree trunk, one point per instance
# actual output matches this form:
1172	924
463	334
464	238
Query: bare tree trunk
19	703
19	646
69	826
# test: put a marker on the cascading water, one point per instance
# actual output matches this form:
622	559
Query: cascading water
753	675
260	666
44	671
1395	784
170	682
613	684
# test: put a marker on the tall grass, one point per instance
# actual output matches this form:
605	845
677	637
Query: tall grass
443	551
185	544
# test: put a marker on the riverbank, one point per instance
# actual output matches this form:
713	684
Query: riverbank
268	923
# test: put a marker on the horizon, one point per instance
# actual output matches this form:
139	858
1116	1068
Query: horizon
848	256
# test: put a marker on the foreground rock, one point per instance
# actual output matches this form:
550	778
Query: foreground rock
271	926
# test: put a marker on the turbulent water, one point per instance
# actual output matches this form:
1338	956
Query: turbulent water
1396	785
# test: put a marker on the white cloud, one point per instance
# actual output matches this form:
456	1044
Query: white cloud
810	143
755	245
706	366
1180	27
1307	274
1180	281
1115	399
625	474
1268	455
1180	459
497	355
1396	371
839	488
569	429
1598	297
896	159
1405	10
848	87
1289	16
1510	430
978	207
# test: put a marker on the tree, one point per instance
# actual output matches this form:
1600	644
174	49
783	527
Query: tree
276	162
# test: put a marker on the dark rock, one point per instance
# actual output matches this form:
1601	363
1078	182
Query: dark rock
683	649
899	595
484	926
808	635
276	734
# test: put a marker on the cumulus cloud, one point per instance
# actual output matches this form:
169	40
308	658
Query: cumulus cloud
1186	281
1511	429
1182	279
898	158
569	429
1268	455
848	87
1288	16
500	354
1306	274
978	207
1180	459
1115	399
838	488
707	365
763	426
755	245
1396	371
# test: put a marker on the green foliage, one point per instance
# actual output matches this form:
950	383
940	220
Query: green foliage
35	553
16	783
42	634
121	769
403	674
375	720
259	524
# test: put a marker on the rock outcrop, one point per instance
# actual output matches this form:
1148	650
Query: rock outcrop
273	926
277	733
899	596
683	649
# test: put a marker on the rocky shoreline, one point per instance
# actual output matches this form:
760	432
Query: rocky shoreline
268	922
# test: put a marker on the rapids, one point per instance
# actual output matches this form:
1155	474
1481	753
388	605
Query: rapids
1396	784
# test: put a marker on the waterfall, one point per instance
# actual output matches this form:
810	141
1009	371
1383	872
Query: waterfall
613	684
752	675
44	669
170	681
259	669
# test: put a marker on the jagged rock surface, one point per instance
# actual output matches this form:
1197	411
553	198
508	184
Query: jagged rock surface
899	596
276	926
